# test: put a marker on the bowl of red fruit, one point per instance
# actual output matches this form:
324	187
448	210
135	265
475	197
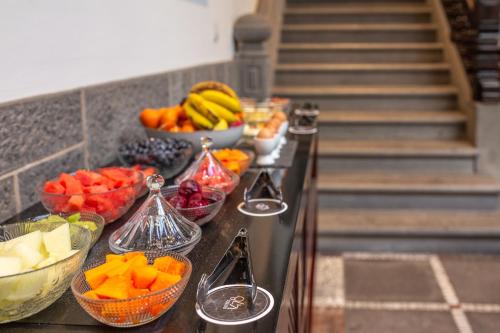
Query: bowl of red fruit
197	203
109	192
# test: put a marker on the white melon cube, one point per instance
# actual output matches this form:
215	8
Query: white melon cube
29	257
58	241
10	266
33	240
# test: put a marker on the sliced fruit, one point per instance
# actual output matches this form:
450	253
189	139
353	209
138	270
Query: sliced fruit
58	241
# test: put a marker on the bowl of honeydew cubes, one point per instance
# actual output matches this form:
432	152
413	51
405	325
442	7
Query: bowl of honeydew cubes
37	262
91	221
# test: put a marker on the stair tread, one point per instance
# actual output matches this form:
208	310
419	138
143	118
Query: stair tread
362	66
359	26
385	148
406	221
367	90
392	117
360	46
355	9
416	182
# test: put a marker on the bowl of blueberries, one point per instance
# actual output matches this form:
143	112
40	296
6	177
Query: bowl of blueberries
170	156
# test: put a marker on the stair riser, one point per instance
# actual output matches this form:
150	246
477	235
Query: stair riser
391	131
345	2
379	103
365	36
355	77
358	18
360	56
384	200
349	163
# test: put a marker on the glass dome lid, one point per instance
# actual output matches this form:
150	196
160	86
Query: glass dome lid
208	171
156	226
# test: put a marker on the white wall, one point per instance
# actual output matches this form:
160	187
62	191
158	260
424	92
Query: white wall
53	45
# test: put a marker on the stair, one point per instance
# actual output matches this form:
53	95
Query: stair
363	74
400	124
360	52
396	155
396	170
379	97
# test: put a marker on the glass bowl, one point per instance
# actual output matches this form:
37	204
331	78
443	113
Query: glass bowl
24	294
111	205
133	311
203	214
243	164
84	216
170	170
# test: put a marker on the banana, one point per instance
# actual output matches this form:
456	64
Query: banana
221	125
230	103
220	111
197	118
214	85
198	103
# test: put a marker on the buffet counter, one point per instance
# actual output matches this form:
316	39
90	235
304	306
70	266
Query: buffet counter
282	248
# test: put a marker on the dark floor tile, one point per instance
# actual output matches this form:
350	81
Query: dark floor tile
382	280
382	321
113	109
484	322
35	128
327	320
7	199
36	175
476	279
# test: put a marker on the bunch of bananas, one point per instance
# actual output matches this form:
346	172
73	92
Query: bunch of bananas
212	105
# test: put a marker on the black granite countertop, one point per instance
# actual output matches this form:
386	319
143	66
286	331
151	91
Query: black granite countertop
270	242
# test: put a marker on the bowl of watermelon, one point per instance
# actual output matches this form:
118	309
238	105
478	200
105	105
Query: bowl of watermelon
109	192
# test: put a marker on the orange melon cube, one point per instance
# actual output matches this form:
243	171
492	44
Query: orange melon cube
144	276
164	280
111	257
162	263
91	294
116	288
130	255
134	292
97	275
176	268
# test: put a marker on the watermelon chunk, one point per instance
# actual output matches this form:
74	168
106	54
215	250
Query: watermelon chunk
75	202
53	187
89	178
72	185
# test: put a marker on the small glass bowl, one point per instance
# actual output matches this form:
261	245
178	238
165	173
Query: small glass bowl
167	171
133	311
111	205
24	294
84	216
198	215
244	164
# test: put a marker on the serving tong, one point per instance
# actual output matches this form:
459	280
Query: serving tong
263	197
234	267
229	295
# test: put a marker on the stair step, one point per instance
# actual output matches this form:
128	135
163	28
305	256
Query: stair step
354	2
396	155
407	222
391	148
365	73
387	98
395	125
407	190
360	52
369	13
351	32
391	117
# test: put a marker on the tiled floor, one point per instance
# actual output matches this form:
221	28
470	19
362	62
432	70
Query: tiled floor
409	293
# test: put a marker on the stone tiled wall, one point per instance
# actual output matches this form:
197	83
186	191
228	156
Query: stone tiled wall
43	136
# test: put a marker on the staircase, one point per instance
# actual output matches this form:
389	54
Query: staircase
396	171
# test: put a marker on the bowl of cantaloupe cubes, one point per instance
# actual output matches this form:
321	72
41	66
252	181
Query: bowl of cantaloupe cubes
131	289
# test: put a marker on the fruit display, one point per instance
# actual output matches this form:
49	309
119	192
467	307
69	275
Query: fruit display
37	262
169	156
208	171
194	202
236	160
108	192
133	288
90	221
209	105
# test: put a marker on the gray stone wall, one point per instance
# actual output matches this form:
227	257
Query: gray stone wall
43	136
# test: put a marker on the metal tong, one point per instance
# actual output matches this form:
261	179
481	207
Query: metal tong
237	259
262	184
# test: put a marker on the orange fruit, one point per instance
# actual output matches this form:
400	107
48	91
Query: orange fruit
150	118
169	118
